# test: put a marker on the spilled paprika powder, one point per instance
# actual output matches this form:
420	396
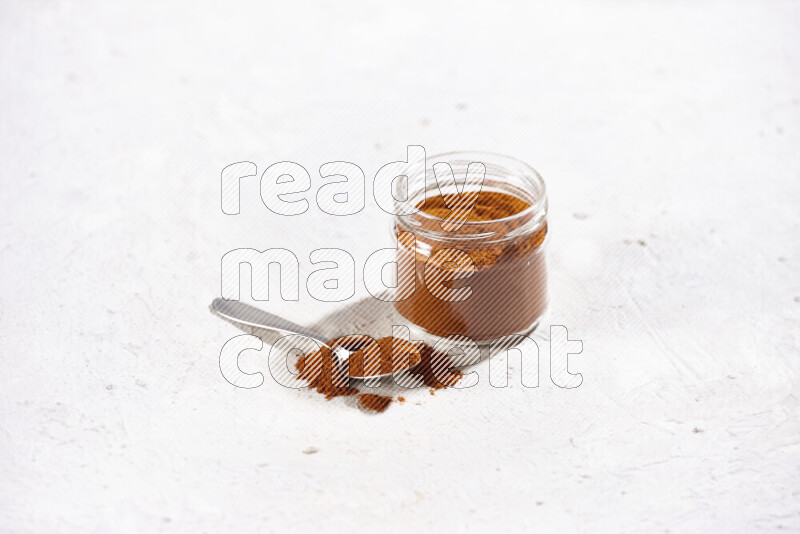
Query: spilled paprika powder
324	374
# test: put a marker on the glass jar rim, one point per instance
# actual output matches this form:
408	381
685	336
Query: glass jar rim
537	209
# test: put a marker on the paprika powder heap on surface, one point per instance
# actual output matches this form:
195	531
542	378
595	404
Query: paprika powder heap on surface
324	374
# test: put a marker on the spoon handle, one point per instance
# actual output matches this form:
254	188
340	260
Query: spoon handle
243	314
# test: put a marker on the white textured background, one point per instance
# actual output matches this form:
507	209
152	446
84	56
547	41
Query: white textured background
668	135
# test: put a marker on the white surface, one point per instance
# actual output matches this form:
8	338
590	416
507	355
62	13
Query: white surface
672	123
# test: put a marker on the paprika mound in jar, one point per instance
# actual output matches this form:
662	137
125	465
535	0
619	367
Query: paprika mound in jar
486	277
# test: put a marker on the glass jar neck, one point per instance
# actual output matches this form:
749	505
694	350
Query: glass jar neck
503	175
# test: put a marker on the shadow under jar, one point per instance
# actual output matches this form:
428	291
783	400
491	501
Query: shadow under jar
485	278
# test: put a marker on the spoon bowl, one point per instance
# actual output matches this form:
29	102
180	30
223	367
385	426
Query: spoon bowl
278	327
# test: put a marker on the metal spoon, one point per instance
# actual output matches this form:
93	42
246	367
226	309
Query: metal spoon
278	327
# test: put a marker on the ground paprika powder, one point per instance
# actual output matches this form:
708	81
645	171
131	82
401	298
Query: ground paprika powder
327	377
506	276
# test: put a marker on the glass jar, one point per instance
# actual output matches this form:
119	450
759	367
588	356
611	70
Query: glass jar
487	278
